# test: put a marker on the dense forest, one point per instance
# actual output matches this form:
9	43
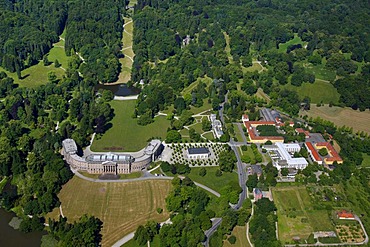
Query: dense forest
176	42
28	30
33	123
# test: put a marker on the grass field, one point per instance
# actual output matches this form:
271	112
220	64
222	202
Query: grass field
121	176
241	238
210	180
320	72
366	161
319	91
296	216
206	106
58	52
262	95
121	206
34	76
359	121
127	51
295	41
126	133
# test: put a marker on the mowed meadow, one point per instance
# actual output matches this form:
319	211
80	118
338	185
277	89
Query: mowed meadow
121	206
358	120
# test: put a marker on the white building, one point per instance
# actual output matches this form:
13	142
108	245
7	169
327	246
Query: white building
216	126
282	156
198	153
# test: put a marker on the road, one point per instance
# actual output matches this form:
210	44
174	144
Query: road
241	174
215	224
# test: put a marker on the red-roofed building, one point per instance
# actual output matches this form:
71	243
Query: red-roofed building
313	153
302	131
253	137
291	124
334	156
345	215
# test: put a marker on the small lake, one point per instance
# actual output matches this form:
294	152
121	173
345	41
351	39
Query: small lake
10	237
119	90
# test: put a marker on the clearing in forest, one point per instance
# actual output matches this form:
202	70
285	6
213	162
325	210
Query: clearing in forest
121	206
126	133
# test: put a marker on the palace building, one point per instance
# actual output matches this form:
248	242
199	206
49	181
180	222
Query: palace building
111	163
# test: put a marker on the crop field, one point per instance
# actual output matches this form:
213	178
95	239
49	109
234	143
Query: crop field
319	91
359	121
125	133
121	206
296	216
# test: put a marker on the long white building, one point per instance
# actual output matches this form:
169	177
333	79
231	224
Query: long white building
282	155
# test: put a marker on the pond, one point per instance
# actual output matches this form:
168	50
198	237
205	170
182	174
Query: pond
119	90
11	237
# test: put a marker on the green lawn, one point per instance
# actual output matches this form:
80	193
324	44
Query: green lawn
366	160
255	67
210	180
209	136
238	135
34	76
58	52
319	91
295	41
126	133
37	75
206	106
320	72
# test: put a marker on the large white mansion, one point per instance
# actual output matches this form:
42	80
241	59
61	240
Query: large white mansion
111	163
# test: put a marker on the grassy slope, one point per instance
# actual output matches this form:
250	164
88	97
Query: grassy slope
366	161
341	116
121	206
319	91
241	238
210	180
126	133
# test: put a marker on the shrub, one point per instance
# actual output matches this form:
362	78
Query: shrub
232	239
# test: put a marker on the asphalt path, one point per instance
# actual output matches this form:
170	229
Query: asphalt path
215	224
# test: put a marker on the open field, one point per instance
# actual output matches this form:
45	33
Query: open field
211	180
319	91
121	206
58	52
241	238
296	216
126	61
295	41
34	76
121	176
366	161
320	71
126	133
359	121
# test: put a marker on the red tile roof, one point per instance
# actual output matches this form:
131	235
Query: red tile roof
314	152
334	156
345	214
252	134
